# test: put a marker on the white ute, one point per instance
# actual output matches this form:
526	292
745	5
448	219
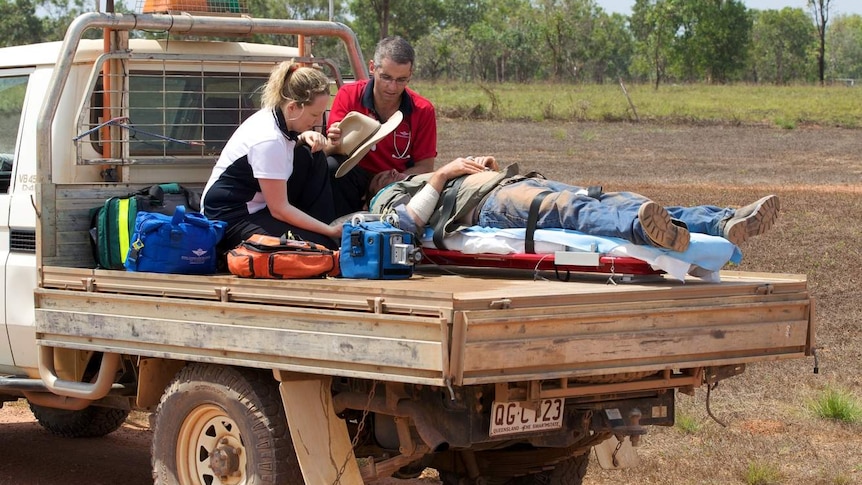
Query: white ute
488	377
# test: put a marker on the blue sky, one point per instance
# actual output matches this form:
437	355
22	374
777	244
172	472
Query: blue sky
836	6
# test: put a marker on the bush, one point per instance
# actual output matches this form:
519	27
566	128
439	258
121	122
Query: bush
760	473
838	405
686	423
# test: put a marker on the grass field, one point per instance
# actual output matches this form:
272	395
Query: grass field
781	106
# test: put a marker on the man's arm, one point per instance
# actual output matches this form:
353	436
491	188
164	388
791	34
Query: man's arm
422	205
336	114
424	129
341	105
422	166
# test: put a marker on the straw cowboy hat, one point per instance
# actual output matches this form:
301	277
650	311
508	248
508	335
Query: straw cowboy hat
358	134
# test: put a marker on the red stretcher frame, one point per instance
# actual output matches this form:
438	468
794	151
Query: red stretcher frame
538	262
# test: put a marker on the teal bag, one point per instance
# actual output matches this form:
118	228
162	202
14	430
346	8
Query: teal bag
184	243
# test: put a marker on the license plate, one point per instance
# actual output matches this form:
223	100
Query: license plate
526	416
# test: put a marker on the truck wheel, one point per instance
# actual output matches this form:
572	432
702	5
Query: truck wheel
90	422
219	425
570	471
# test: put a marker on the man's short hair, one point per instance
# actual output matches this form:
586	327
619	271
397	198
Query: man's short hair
396	49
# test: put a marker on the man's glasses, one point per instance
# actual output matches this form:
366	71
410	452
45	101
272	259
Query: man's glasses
386	78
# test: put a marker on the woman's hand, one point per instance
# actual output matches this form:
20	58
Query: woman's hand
314	139
335	232
275	195
333	136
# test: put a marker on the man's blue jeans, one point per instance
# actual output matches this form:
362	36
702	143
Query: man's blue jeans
614	214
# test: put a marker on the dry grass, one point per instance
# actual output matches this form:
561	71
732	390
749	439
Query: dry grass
818	175
767	408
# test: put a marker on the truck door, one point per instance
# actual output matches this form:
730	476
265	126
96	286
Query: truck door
13	87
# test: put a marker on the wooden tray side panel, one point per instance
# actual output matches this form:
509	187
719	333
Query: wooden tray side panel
402	348
572	341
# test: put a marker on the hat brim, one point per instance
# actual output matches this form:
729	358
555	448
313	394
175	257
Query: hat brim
385	129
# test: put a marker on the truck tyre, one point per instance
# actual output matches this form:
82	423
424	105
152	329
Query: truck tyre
221	425
570	471
90	422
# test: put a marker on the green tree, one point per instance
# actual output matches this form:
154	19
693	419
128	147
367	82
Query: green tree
845	47
311	10
324	46
488	52
444	53
820	9
712	40
376	19
307	10
654	24
60	13
464	13
19	23
506	42
491	41
782	45
612	48
566	31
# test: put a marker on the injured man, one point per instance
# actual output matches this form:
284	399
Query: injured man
474	192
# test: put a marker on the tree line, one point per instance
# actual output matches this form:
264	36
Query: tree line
663	41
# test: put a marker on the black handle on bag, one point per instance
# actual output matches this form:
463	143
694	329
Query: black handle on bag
156	194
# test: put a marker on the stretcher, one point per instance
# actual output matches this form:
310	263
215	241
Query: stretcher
624	267
567	252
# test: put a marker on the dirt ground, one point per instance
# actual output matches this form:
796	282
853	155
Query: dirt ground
816	171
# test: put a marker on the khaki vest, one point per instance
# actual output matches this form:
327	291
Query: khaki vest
471	189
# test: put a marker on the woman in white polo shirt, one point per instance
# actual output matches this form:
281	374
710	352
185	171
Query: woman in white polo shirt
274	149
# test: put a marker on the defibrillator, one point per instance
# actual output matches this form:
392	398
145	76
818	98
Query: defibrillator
373	247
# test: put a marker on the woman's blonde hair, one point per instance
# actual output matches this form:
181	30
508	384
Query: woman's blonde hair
290	81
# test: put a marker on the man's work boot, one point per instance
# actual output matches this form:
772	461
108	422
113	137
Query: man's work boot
751	220
660	229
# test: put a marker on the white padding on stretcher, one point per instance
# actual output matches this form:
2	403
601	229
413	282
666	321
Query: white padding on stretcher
705	256
576	258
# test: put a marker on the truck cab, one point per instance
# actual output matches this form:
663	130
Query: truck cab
23	79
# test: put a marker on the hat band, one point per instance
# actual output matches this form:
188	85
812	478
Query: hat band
358	145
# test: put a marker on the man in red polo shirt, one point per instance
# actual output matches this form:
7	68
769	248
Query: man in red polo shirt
411	148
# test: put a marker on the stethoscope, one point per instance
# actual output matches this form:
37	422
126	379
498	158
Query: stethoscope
402	154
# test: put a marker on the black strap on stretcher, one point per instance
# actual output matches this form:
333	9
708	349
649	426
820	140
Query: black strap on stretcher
532	219
594	191
450	196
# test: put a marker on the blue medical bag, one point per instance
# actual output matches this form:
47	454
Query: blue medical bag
376	249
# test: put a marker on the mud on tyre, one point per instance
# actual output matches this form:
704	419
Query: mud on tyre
90	422
221	425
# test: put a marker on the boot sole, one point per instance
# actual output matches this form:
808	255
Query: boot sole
758	221
659	228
